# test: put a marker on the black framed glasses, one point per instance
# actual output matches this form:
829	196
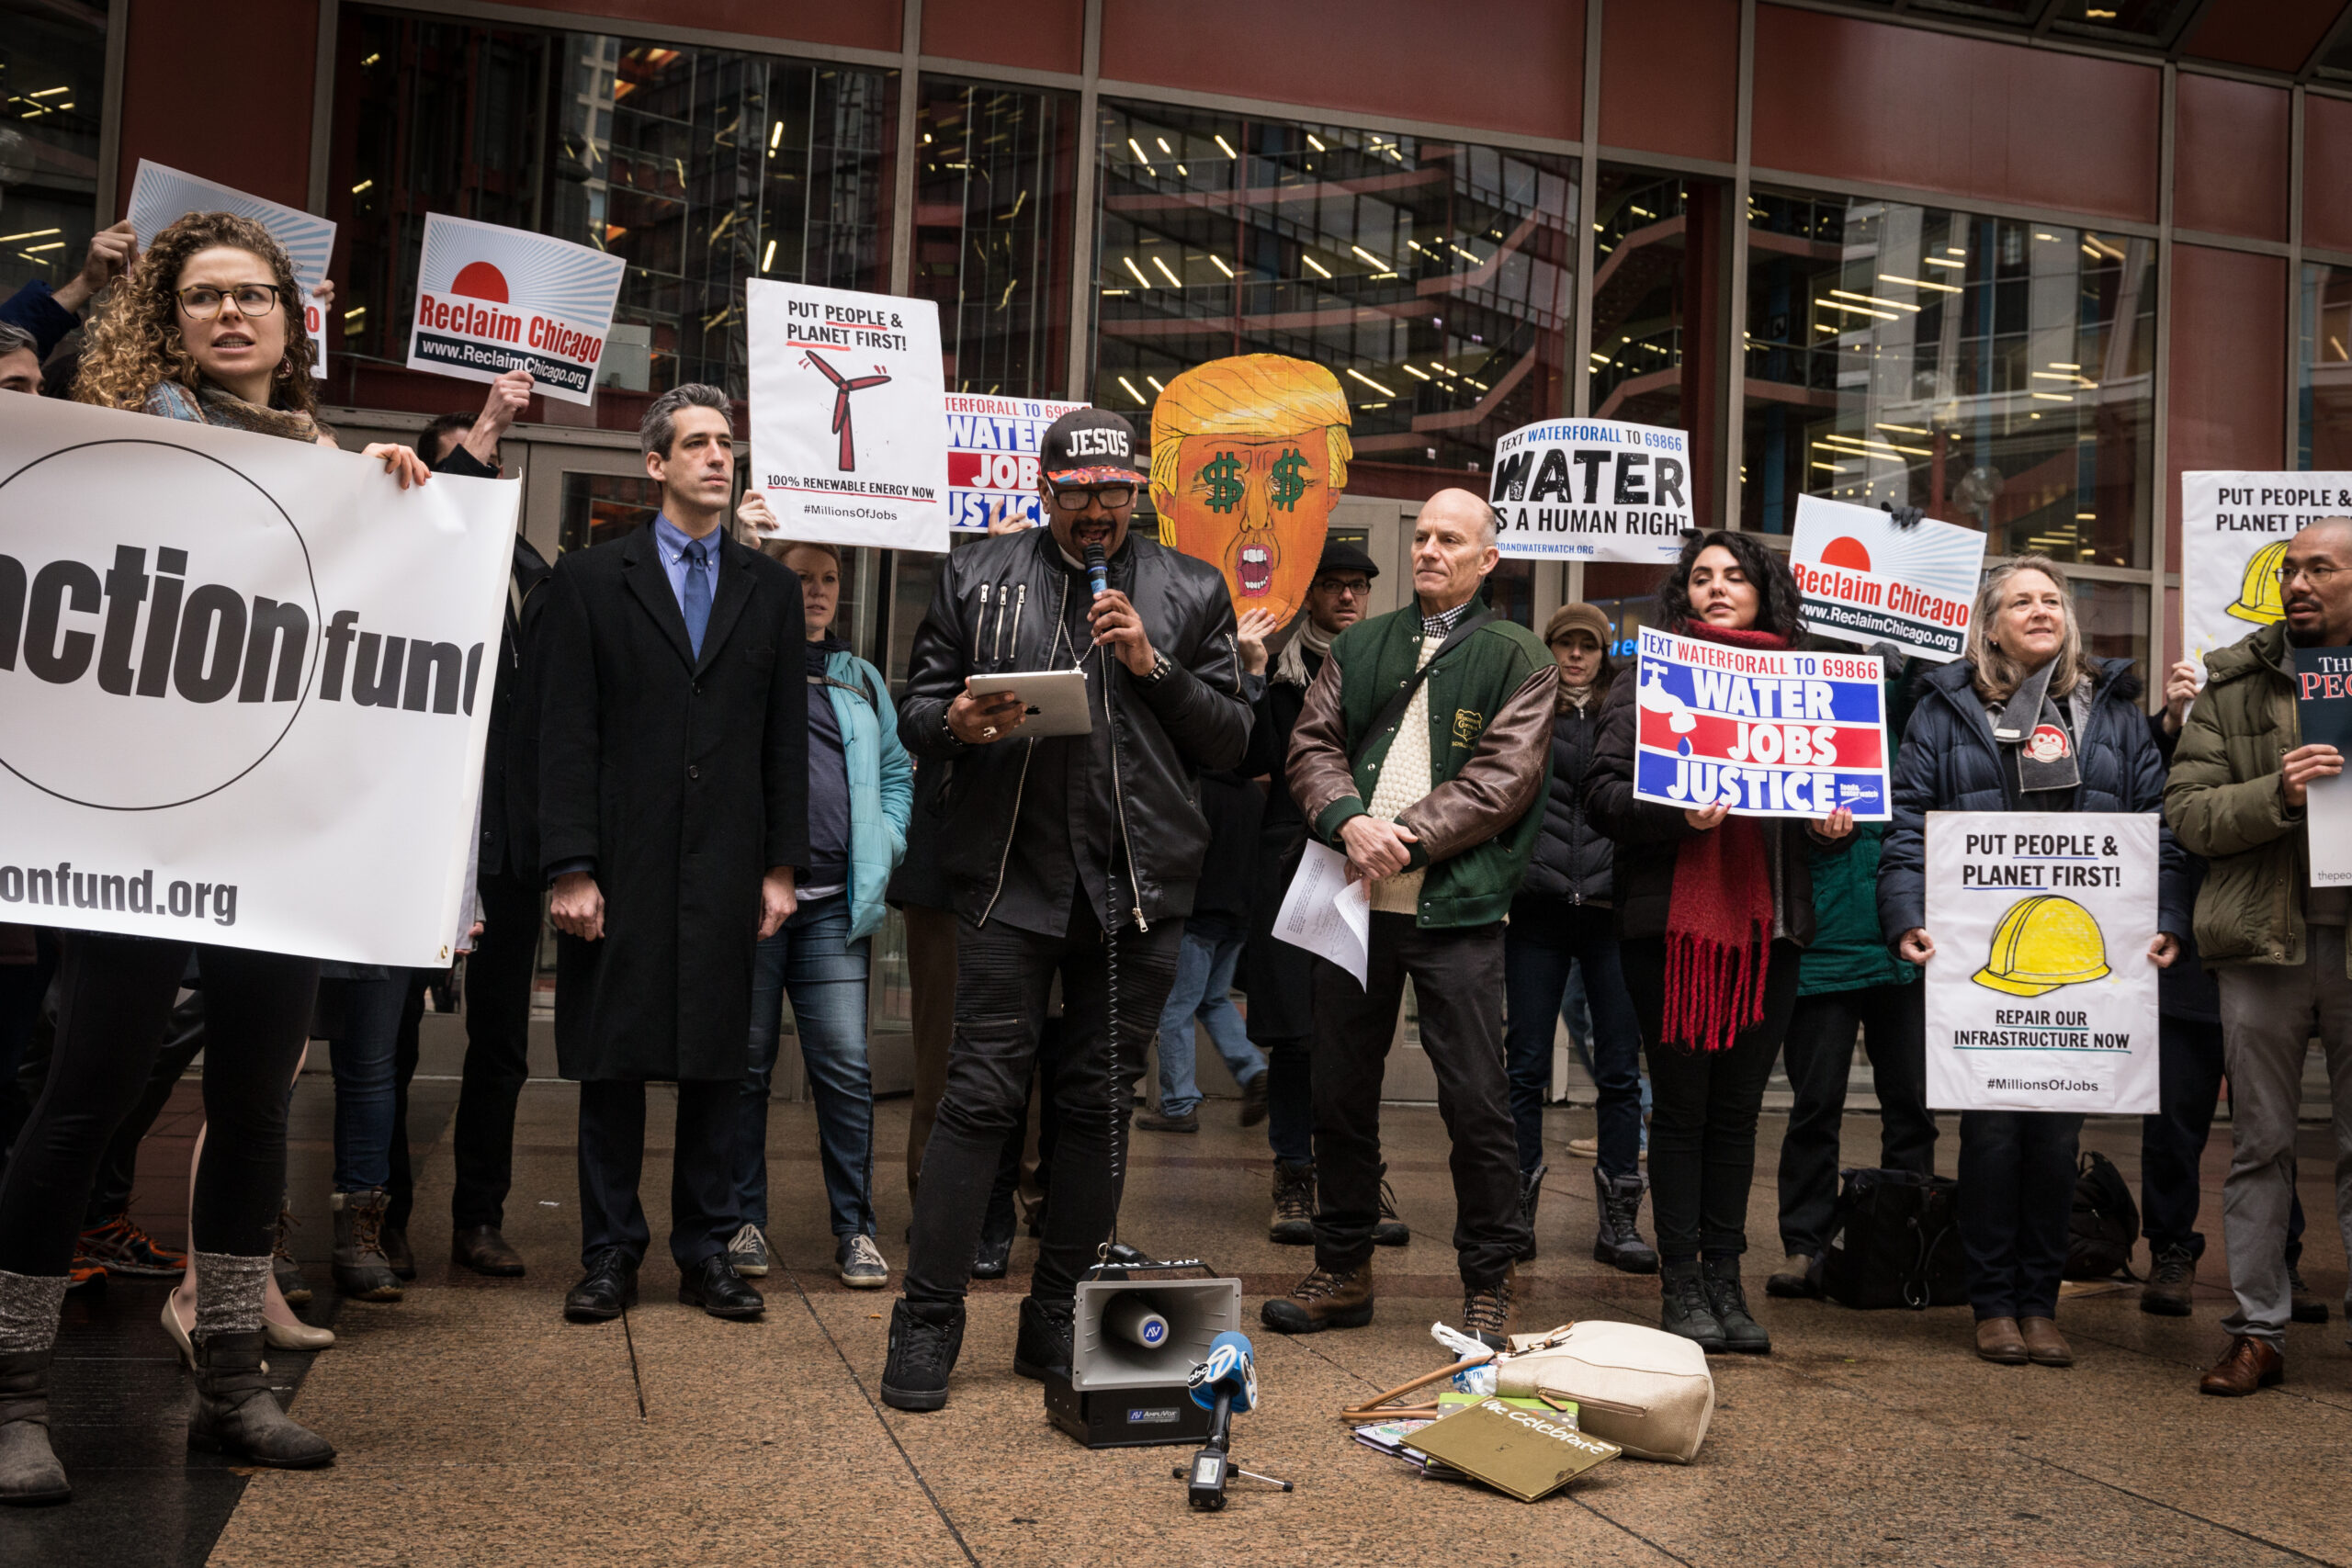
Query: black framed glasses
1111	496
253	301
1354	587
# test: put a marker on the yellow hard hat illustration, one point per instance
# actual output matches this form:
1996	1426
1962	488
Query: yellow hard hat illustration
2259	593
2044	943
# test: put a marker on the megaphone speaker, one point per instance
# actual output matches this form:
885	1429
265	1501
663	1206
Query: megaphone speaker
1134	1344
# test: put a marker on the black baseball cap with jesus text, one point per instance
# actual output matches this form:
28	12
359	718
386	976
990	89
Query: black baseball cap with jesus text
1089	446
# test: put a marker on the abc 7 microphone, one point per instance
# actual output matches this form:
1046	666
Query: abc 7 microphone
1224	1383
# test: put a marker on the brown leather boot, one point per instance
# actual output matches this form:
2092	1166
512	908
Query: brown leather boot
1997	1340
2251	1364
1323	1300
2044	1345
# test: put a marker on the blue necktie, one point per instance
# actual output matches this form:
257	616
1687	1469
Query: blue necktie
697	597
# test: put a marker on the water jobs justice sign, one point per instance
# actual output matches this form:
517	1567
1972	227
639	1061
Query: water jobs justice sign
1769	734
490	299
2041	994
1591	490
992	458
1865	581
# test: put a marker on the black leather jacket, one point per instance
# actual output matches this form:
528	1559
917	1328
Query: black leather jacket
1008	604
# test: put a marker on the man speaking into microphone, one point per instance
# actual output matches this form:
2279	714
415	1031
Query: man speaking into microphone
1073	855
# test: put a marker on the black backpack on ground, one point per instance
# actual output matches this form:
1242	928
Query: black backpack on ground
2106	1222
1896	1242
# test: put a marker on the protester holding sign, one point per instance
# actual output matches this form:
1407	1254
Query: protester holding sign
1711	934
200	334
2240	786
2027	722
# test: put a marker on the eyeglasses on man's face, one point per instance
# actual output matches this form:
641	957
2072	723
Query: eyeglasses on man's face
2318	572
253	301
1343	587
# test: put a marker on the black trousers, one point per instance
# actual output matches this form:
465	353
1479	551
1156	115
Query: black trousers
1002	979
399	1186
498	1037
116	995
1820	1057
2172	1142
2017	1203
1458	985
702	1168
1703	1107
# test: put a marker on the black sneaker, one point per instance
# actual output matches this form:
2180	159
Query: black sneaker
1389	1231
1043	1348
2170	1277
925	1337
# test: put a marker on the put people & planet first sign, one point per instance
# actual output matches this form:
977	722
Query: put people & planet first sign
2235	528
1591	490
2041	994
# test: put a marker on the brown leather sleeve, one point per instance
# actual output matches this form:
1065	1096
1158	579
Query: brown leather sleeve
1319	775
1502	780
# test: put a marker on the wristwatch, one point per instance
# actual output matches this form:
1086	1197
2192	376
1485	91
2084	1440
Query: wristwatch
1160	665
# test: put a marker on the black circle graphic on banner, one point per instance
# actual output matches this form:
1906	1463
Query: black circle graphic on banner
127	752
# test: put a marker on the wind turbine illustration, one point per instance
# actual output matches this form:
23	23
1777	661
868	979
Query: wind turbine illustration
843	388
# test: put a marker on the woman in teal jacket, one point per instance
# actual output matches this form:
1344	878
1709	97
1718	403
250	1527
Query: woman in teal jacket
861	787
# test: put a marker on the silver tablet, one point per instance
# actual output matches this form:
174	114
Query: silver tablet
1056	698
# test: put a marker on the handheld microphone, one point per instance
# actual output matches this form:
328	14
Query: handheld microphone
1098	579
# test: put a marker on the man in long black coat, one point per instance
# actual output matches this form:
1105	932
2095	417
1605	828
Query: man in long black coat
674	779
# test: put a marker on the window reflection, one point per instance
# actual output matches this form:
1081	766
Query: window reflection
52	72
1641	249
1992	370
1432	278
2324	372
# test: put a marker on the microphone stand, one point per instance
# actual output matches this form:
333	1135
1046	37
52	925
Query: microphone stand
1206	1474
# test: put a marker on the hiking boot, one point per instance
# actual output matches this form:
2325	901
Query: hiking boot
2308	1305
1389	1231
237	1413
1486	1311
1728	1301
2171	1274
29	1472
1531	1192
362	1272
1256	1100
120	1247
1293	1222
1794	1281
282	1267
1323	1300
1042	1350
1619	1243
925	1337
747	1252
1684	1308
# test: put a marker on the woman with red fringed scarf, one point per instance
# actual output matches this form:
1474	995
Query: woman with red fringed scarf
1713	912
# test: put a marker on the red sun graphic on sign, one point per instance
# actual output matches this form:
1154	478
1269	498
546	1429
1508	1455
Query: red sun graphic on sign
480	280
1847	552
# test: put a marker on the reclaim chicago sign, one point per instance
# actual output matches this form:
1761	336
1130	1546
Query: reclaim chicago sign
243	690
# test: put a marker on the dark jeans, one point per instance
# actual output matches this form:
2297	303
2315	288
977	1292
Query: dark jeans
400	1185
362	1021
1547	938
931	985
812	960
115	999
1820	1057
23	989
2172	1142
1703	1107
117	1171
1457	978
498	1038
702	1168
1002	978
1290	1097
2017	1205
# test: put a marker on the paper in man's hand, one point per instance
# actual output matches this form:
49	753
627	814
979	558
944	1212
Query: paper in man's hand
1327	914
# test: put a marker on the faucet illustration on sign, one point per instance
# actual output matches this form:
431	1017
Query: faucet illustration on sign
843	388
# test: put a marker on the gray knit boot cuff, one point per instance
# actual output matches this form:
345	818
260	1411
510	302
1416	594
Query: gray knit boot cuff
229	1290
29	1307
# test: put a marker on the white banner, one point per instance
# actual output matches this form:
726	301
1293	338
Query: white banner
849	434
243	693
490	299
2234	525
992	456
160	195
1592	490
2041	994
1865	581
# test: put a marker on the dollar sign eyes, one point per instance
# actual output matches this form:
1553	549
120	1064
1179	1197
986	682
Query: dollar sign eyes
1223	480
1288	485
